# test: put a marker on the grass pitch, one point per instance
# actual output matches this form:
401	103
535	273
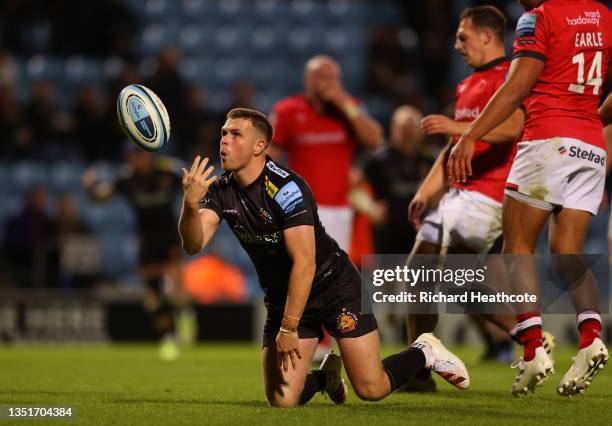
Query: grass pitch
222	384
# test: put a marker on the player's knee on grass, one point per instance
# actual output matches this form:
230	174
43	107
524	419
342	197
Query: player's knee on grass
286	400
370	391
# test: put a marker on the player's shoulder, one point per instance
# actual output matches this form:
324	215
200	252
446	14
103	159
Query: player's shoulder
278	177
291	103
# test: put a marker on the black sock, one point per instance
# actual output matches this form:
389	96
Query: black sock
315	381
401	366
424	374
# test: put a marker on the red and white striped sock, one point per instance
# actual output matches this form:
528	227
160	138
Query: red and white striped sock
529	333
589	325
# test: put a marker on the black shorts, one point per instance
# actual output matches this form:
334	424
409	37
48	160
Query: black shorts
337	308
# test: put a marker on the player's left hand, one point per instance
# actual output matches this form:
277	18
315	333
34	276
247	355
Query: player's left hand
288	350
437	124
460	160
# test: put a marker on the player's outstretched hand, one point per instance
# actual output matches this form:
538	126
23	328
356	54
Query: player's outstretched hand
288	350
437	124
460	160
196	181
415	210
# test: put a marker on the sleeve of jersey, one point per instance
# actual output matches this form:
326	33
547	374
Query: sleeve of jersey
295	204
278	118
212	200
531	36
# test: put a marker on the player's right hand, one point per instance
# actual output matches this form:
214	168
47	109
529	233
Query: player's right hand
437	124
460	160
415	210
196	181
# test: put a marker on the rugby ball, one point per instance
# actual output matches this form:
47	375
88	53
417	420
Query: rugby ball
143	117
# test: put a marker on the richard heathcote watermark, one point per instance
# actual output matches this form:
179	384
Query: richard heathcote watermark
484	284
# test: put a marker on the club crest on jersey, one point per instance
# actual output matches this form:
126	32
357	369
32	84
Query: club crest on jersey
347	321
289	197
526	25
271	189
274	168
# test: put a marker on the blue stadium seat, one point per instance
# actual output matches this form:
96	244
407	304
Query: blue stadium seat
194	39
196	69
271	10
229	70
197	10
66	176
27	174
160	10
345	12
156	36
237	10
306	11
79	70
344	40
305	40
268	39
41	67
232	37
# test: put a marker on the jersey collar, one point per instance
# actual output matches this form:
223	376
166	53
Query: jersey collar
491	64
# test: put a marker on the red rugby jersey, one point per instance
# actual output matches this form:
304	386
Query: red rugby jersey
574	39
319	147
491	162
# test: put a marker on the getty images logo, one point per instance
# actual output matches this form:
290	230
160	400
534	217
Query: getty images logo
576	152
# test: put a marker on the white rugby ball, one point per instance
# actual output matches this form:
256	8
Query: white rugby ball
143	117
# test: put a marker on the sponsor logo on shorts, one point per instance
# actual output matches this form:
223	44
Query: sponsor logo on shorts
583	154
347	321
562	150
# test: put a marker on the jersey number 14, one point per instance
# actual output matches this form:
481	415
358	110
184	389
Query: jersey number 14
594	76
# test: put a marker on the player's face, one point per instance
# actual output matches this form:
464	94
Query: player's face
238	143
322	78
470	44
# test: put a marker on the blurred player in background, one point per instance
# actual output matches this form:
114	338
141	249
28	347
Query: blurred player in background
308	280
468	218
319	131
562	50
150	184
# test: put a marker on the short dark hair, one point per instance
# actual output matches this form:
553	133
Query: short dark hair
258	119
487	17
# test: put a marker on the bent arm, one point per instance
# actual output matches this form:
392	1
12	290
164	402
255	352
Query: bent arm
300	243
524	73
196	227
507	132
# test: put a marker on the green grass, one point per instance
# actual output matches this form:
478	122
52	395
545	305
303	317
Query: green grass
222	384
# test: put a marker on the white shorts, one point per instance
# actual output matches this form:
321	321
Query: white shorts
470	219
431	228
338	223
559	172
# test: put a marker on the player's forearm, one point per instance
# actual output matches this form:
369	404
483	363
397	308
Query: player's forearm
190	228
500	107
507	132
300	283
435	181
367	131
605	111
